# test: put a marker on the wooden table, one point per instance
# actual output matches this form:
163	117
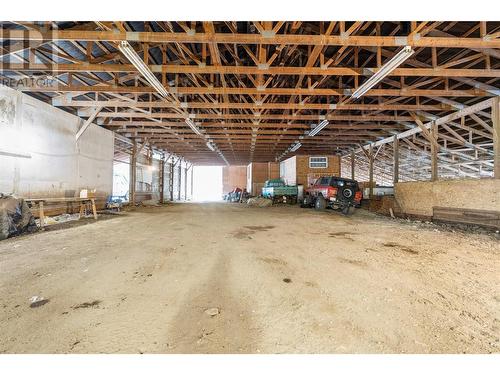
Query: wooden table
82	201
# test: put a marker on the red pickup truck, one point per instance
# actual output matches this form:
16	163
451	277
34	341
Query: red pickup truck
333	192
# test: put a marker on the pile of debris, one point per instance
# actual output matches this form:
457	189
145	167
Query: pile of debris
236	196
259	202
15	216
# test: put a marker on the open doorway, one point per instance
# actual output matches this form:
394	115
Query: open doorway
121	175
207	183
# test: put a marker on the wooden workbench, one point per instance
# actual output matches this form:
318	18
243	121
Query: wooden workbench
41	202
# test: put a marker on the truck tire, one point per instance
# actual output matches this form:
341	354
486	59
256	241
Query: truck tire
320	203
306	202
347	193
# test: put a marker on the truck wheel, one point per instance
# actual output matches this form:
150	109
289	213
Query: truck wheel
320	203
306	202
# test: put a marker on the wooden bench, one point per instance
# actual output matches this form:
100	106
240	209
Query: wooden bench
42	201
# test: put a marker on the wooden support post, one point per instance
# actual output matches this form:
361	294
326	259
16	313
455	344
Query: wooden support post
434	152
42	215
353	165
133	173
82	210
162	179
395	169
370	161
495	118
94	210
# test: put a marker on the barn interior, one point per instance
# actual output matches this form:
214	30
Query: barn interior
144	154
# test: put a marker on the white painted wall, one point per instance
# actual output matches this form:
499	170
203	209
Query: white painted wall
288	170
56	165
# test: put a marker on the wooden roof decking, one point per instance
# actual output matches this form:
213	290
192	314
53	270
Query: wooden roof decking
254	88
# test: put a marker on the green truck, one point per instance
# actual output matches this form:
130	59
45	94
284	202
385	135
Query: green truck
278	191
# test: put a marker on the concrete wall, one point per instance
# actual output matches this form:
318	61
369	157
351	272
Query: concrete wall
46	160
418	198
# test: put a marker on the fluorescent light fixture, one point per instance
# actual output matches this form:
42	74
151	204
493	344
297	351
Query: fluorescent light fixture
141	66
384	71
193	127
295	147
318	128
210	146
213	147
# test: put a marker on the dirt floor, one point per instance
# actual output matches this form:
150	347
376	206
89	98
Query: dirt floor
277	280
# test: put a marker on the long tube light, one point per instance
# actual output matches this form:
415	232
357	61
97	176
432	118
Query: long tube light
318	128
210	146
384	71
193	127
141	66
295	147
213	147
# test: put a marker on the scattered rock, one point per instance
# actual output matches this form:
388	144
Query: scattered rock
287	280
37	301
212	311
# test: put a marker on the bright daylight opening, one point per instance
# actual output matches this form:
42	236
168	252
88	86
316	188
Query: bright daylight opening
121	175
207	183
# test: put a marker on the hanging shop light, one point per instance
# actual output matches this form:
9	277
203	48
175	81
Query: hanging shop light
318	128
193	127
384	71
295	147
141	66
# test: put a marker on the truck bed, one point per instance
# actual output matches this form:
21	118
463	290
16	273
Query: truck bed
276	191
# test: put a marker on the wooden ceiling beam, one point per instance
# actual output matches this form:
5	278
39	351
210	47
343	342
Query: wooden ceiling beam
300	39
226	116
249	125
263	69
253	106
189	90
